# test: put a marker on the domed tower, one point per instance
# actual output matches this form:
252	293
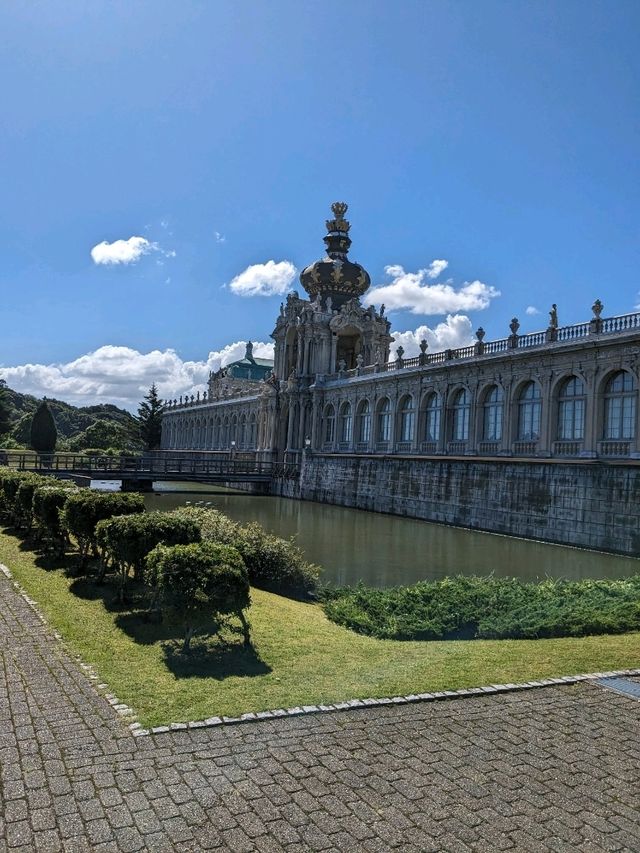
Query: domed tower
335	276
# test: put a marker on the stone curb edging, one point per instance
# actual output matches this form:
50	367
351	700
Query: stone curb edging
353	704
349	705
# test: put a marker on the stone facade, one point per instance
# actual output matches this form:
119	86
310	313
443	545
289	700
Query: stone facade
565	392
582	503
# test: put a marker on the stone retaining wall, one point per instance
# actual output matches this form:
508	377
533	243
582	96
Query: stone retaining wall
587	504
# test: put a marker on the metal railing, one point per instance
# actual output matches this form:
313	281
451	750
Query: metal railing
158	465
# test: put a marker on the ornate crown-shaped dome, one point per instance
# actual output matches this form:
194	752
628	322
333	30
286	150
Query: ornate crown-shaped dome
335	275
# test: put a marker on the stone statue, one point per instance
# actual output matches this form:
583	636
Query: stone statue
382	310
553	317
329	303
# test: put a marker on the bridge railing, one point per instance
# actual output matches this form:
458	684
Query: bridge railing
158	464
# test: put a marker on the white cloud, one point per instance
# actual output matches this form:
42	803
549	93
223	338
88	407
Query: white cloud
121	375
409	290
531	310
436	267
266	279
455	331
121	251
219	238
126	251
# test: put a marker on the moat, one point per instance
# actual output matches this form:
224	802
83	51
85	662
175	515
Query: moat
383	550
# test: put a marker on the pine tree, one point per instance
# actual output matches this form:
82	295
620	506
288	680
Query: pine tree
44	433
5	409
150	419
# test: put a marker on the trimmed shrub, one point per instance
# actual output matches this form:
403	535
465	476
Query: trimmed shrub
488	608
85	508
10	481
48	501
127	539
272	563
24	499
199	583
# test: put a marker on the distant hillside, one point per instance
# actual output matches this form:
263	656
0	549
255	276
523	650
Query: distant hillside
73	421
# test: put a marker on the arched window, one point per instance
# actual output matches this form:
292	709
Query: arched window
571	409
252	431
384	420
407	419
363	422
225	433
461	410
620	406
432	418
492	414
529	412
217	438
346	423
329	424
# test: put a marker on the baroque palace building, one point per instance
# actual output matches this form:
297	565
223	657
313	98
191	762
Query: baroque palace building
568	392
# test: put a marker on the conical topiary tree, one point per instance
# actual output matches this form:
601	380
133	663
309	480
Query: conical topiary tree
43	430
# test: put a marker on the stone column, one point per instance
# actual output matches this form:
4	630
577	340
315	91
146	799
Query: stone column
545	441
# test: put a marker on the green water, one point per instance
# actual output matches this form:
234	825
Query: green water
383	550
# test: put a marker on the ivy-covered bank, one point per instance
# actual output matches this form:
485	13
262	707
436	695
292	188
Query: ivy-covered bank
488	608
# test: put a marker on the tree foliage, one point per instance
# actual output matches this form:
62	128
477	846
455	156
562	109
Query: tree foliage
84	509
102	435
273	563
44	433
48	501
126	540
200	583
5	409
150	419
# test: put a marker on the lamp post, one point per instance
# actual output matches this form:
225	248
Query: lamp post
233	448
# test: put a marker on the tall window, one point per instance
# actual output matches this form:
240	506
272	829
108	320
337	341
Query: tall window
346	423
363	428
329	425
461	410
529	412
492	414
432	419
384	420
407	418
620	406
571	408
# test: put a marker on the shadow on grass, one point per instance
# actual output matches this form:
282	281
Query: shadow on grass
210	657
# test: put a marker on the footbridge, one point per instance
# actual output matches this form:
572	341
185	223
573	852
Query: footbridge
140	471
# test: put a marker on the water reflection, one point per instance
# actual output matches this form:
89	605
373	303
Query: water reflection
383	550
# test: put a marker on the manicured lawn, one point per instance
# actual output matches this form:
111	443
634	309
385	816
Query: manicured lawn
300	657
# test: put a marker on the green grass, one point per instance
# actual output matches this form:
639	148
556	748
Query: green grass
300	656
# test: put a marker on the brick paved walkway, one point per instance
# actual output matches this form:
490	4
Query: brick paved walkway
551	769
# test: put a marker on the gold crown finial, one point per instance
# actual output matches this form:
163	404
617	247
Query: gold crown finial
339	208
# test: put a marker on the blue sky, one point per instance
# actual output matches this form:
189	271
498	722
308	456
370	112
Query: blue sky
502	137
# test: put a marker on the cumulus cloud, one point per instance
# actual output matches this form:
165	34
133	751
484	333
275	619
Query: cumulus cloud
122	375
531	310
126	251
412	291
266	279
455	331
436	267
